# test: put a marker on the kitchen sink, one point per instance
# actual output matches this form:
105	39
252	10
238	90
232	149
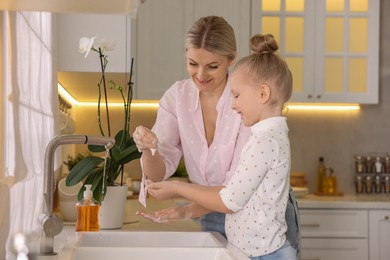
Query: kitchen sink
151	239
149	245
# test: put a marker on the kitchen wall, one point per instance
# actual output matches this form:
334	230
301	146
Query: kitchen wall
336	136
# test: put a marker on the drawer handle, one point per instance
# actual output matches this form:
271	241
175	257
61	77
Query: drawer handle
310	225
386	217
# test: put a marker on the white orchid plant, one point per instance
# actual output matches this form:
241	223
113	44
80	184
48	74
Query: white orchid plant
91	168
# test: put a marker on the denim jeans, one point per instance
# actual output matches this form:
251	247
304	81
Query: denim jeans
216	222
286	252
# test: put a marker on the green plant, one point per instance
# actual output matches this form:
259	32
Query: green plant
93	169
72	161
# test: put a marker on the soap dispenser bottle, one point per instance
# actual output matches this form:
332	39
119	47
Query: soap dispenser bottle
87	212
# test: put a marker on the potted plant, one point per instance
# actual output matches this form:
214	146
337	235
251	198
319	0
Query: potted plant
93	169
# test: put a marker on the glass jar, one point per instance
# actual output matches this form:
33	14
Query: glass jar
387	164
368	182
387	184
378	184
378	166
359	164
359	184
369	164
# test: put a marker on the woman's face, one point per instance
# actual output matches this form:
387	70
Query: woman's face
207	70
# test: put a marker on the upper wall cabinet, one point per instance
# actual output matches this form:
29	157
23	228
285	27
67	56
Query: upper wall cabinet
331	46
158	38
114	28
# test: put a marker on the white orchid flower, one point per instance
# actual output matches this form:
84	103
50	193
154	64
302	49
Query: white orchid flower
104	45
85	45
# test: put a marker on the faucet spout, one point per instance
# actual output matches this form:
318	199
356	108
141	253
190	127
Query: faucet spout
52	226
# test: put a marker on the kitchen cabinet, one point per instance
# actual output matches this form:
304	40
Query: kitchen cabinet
334	234
114	28
379	225
347	227
158	39
332	47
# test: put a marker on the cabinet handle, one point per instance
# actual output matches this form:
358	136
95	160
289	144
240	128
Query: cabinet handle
319	96
386	217
310	225
309	96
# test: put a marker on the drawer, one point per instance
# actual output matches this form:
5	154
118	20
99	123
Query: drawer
335	249
329	223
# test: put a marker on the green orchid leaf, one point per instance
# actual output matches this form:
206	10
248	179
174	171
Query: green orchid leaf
97	177
96	148
129	154
115	153
82	169
121	137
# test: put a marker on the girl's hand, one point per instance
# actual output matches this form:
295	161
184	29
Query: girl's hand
168	215
163	190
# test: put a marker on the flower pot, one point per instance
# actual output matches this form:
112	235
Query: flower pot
112	210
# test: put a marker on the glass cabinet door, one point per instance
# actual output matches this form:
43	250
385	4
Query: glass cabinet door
331	46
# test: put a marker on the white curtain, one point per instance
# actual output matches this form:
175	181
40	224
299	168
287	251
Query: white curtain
31	119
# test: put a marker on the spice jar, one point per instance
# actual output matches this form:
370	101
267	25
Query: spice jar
359	184
378	186
387	184
378	166
359	164
387	164
368	184
369	164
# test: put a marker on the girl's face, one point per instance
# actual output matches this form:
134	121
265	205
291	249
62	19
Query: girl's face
246	98
207	70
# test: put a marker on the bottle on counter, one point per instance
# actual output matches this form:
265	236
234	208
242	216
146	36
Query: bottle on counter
321	173
87	212
329	184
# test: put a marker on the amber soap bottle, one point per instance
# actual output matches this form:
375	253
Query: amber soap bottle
87	212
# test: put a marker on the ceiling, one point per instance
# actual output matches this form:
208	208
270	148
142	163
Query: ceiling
82	86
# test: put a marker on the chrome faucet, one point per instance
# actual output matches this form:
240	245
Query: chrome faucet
51	224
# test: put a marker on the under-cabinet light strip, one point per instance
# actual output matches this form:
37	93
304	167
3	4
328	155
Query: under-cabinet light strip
68	97
136	103
323	107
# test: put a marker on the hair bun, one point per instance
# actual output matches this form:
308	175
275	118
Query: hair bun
261	44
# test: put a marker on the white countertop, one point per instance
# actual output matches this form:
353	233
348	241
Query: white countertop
347	201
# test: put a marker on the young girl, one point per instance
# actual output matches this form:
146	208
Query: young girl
256	197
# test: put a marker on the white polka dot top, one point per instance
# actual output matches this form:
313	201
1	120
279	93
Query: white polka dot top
258	190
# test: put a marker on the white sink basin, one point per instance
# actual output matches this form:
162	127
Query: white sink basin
150	239
149	245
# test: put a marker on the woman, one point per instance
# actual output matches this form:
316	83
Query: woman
195	120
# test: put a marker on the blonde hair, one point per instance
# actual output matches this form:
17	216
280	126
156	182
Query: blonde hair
266	65
214	34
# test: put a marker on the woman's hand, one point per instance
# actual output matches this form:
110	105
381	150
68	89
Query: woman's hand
168	215
163	190
144	138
